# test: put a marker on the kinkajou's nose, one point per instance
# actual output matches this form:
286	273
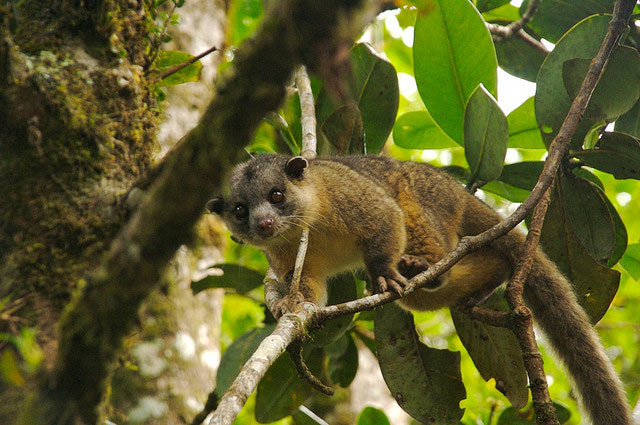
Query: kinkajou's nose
266	224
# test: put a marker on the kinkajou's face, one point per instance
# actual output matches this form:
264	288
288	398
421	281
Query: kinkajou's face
262	208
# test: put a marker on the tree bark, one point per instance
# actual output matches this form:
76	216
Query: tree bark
77	128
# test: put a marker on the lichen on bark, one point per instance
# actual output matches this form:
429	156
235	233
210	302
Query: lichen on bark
77	127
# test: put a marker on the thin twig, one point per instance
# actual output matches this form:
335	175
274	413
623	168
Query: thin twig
504	32
185	64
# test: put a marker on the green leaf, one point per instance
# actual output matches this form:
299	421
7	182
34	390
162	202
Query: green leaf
519	58
372	416
551	100
425	382
511	416
508	192
343	368
621	237
281	391
234	358
342	288
523	175
617	90
555	17
616	153
485	136
594	284
524	132
237	277
452	53
504	13
485	5
631	260
630	122
343	131
375	88
495	352
278	122
417	130
589	214
169	59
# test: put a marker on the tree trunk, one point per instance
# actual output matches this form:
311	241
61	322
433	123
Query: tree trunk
78	119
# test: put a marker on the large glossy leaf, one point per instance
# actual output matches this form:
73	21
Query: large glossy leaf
425	382
616	153
375	88
240	278
631	260
372	416
589	214
452	54
343	132
508	192
417	130
551	100
524	131
523	175
237	355
555	17
485	136
281	391
630	122
495	352
594	284
617	90
519	58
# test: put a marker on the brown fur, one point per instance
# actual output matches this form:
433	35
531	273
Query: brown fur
369	210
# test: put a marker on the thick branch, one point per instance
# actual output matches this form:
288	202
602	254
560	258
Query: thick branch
290	326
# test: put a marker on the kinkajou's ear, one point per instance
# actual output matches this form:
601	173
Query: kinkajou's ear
295	166
215	205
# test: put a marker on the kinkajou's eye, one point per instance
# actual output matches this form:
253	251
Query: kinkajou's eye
275	197
240	211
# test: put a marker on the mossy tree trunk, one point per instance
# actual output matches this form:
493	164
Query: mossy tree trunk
77	128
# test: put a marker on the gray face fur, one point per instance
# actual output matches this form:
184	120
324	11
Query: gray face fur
262	207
